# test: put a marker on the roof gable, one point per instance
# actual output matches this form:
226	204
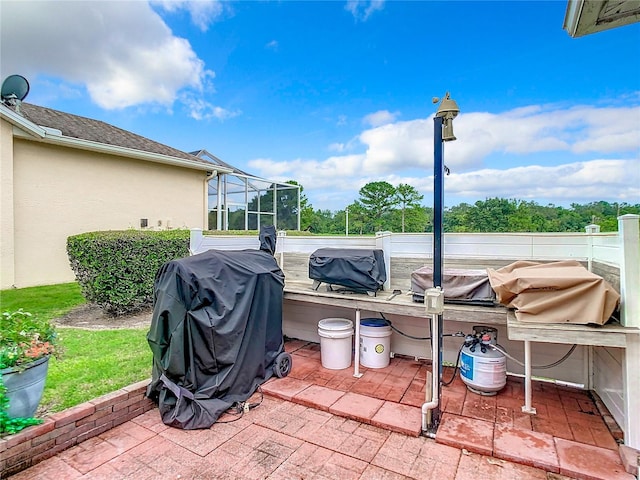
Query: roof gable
211	158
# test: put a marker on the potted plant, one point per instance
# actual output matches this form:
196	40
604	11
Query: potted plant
26	343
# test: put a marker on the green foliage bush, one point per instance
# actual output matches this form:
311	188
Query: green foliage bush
116	269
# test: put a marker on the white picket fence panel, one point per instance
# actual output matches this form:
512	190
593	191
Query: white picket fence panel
529	246
605	247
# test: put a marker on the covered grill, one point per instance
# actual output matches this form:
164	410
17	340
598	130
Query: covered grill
460	285
216	332
359	270
556	292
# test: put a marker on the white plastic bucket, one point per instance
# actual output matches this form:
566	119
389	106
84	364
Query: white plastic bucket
375	343
336	342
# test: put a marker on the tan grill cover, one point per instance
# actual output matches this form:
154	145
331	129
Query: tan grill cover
557	292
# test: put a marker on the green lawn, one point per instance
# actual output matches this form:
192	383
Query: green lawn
94	362
49	301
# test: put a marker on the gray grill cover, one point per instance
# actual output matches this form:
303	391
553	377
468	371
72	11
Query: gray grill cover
358	269
459	284
215	332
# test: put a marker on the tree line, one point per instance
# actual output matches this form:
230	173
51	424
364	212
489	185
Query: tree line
381	206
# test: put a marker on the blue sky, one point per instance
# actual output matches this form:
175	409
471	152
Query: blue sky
336	94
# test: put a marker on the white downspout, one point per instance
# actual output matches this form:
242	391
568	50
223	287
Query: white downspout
435	355
205	223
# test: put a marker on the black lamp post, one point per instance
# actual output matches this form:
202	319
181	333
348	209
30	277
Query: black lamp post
442	132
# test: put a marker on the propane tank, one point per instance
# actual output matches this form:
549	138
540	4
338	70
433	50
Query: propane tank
482	368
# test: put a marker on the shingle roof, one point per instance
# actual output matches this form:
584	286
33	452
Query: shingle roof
96	131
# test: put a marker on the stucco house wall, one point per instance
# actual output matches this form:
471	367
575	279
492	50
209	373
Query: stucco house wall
58	183
6	205
60	192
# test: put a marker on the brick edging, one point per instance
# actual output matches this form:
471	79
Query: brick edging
65	429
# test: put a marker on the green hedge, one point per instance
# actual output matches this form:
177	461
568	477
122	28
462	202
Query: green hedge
116	269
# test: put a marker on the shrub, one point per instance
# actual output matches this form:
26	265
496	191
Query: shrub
116	269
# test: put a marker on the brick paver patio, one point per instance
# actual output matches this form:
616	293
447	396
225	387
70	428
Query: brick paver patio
277	440
326	424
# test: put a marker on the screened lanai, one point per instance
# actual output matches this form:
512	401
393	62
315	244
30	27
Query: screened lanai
241	201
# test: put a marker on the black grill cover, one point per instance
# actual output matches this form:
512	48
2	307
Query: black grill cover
215	332
353	268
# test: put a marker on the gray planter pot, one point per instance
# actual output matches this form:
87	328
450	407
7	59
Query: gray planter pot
24	387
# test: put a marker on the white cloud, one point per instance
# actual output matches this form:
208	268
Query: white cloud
342	147
200	109
122	52
396	152
337	147
202	12
335	182
381	117
581	129
336	172
517	133
363	9
595	179
272	45
398	146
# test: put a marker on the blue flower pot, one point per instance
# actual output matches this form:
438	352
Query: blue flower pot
24	387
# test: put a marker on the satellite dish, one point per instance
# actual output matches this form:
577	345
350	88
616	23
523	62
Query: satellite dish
15	87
